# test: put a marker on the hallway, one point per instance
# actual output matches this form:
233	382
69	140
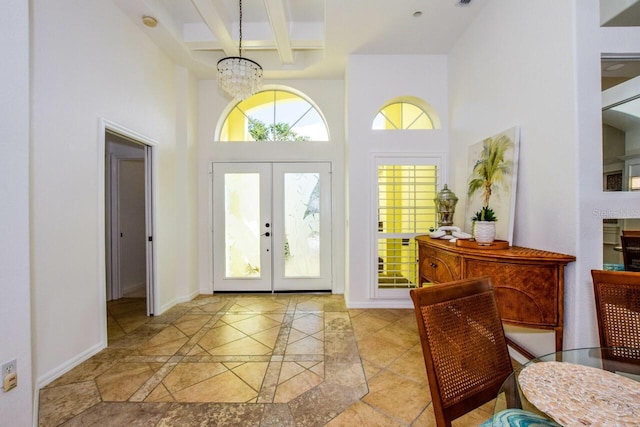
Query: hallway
250	360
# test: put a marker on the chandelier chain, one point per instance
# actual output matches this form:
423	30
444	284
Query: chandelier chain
237	76
240	43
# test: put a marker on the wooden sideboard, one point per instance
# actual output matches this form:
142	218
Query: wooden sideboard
529	283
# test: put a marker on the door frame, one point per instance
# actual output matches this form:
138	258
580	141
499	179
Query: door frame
327	260
106	126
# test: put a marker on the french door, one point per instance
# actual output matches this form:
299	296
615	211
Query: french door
271	227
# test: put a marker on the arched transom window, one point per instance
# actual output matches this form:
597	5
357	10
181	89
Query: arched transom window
274	115
406	113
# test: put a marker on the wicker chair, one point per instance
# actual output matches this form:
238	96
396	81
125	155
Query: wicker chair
464	349
617	297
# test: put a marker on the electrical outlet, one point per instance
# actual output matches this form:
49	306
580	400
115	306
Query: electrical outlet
9	375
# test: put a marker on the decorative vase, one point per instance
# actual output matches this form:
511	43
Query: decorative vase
484	231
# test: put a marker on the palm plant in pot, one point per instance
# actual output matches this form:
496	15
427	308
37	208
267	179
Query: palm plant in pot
489	172
484	225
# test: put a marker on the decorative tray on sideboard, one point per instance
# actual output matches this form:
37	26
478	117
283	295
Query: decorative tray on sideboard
472	244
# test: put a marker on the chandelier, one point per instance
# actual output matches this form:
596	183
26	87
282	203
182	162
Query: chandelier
239	77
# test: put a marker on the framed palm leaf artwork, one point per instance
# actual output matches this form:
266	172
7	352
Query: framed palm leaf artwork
492	178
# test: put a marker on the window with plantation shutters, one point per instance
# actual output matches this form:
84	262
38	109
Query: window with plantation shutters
406	209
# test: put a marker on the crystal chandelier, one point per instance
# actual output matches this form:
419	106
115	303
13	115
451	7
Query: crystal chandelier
239	77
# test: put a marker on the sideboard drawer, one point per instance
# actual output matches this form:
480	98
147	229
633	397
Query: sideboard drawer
526	293
439	266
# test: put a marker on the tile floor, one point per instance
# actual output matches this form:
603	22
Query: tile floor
250	360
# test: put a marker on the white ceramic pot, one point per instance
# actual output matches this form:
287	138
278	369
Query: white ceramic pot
484	231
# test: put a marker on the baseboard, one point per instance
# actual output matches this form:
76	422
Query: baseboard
380	304
55	373
179	300
134	288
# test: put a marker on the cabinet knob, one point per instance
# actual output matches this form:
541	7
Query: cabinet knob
433	264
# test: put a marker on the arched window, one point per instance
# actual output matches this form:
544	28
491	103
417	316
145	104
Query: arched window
406	113
274	115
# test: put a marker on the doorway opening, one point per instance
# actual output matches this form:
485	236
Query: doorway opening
129	246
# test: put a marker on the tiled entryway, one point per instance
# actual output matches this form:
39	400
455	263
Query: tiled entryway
250	360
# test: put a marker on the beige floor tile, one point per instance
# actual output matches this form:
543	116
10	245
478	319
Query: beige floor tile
167	342
268	337
365	324
398	337
231	317
304	358
185	375
160	394
289	370
189	324
220	335
361	414
213	307
58	404
244	346
226	387
371	369
308	323
255	324
308	345
296	335
390	394
86	371
310	306
266	306
376	349
295	386
122	380
411	364
252	373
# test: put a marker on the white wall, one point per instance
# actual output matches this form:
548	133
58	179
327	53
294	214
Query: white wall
328	96
371	81
187	284
91	62
15	308
515	66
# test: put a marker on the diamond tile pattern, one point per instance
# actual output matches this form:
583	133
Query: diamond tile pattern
250	360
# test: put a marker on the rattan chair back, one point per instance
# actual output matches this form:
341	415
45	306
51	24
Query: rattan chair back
617	298
463	345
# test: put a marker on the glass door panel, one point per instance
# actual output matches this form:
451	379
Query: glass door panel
253	253
301	225
302	205
241	227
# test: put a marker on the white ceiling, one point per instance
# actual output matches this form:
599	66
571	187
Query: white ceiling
308	39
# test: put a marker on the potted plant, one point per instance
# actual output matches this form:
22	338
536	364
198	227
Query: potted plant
484	225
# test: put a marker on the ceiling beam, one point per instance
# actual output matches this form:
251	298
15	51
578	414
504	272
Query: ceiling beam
280	28
257	45
212	17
